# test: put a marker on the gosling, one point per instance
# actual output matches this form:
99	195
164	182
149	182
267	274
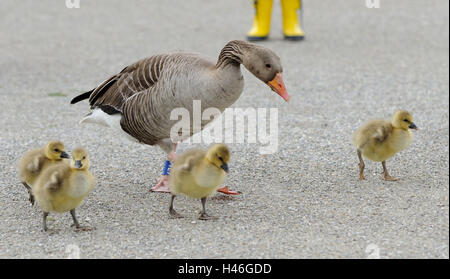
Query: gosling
62	187
379	140
35	161
198	174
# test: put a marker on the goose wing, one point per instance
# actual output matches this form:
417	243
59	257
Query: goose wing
373	131
55	176
135	78
185	163
382	132
35	165
146	91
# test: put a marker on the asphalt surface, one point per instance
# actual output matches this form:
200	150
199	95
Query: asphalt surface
304	201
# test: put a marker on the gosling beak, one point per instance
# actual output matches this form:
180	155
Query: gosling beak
277	85
413	126
225	167
78	164
64	155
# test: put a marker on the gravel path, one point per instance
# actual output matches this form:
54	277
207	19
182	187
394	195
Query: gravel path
304	201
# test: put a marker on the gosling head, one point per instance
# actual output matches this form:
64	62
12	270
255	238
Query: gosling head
54	150
264	64
403	120
80	159
219	155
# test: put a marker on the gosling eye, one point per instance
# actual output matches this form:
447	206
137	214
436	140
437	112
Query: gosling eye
268	66
84	157
220	158
406	120
56	150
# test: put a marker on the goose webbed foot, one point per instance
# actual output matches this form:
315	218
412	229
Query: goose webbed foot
361	176
226	190
52	231
162	185
174	215
82	228
386	175
172	212
206	216
203	214
77	226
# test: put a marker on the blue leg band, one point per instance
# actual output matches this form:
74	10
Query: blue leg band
166	170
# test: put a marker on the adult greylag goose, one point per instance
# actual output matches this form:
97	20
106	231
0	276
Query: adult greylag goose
137	102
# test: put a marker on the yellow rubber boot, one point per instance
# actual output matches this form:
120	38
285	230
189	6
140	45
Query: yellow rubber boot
291	26
261	22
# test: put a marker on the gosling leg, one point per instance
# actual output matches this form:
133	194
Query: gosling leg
77	225
361	166
172	212
386	174
31	198
44	221
203	214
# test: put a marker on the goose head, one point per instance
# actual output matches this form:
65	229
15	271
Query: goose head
264	64
219	155
80	159
403	120
54	150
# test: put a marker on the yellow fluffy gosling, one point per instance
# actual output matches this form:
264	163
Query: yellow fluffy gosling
35	161
62	187
379	140
197	174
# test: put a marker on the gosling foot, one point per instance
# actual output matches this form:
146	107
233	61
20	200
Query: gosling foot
162	186
51	231
82	228
387	177
174	215
205	216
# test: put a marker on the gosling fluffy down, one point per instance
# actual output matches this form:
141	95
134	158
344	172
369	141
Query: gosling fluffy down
35	161
197	174
62	187
379	140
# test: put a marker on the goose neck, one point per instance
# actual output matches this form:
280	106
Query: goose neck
232	53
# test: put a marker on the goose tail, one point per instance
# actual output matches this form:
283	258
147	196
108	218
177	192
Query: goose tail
104	115
82	97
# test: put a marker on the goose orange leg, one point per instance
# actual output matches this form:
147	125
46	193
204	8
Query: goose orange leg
162	186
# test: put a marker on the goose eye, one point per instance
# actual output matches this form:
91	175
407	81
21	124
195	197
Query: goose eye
406	120
56	150
268	66
84	157
220	158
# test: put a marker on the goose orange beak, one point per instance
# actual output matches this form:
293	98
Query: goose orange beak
277	85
